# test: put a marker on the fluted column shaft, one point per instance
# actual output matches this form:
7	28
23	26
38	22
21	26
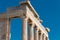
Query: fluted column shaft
32	32
36	34
41	36
24	29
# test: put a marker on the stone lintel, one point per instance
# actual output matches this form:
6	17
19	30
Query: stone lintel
14	14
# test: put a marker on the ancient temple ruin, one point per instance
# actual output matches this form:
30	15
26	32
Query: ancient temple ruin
29	16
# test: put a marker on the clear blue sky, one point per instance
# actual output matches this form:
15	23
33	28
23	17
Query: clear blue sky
48	10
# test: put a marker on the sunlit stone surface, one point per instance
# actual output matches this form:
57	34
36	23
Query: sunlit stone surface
29	16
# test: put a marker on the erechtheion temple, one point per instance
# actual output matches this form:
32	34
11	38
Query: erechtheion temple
29	17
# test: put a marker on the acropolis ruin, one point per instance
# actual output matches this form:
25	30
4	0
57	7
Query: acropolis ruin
29	17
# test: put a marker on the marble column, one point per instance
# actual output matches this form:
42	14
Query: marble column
24	29
36	34
44	37
8	29
47	38
41	36
32	32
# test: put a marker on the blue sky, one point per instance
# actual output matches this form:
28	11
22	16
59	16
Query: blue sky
48	10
